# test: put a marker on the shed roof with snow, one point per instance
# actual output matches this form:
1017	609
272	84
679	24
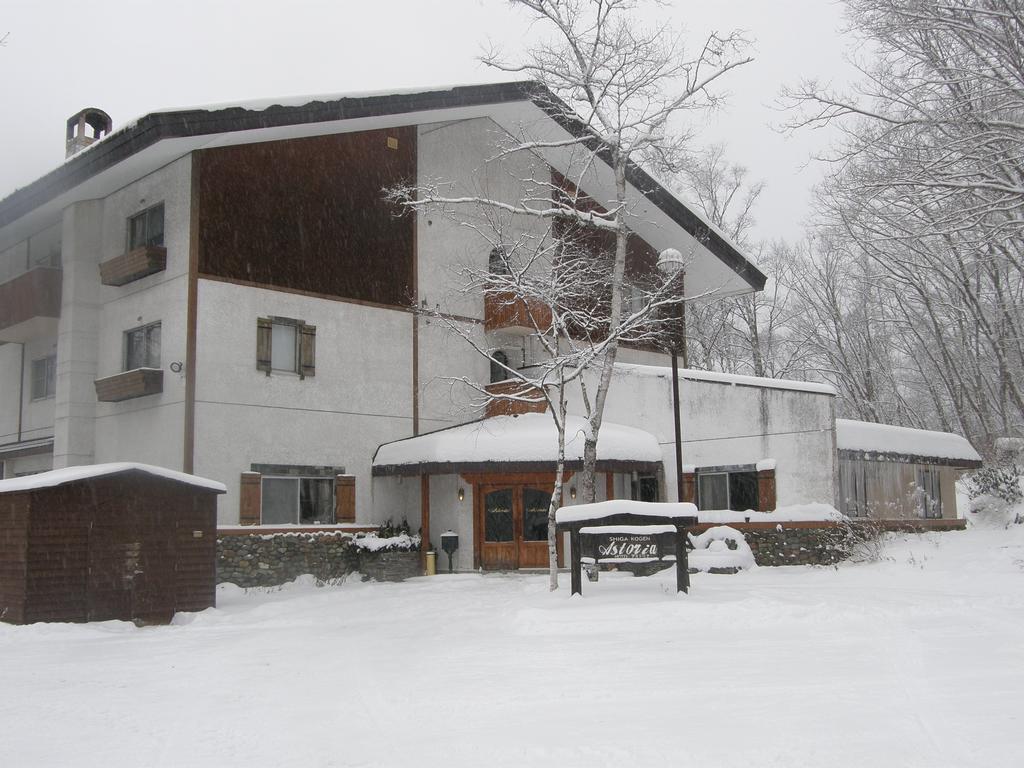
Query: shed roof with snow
57	477
865	439
524	443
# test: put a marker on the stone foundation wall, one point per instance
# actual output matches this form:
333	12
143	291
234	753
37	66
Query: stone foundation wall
825	543
266	560
797	546
390	566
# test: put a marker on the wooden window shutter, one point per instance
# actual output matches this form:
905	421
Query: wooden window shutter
307	350
264	333
250	498
766	490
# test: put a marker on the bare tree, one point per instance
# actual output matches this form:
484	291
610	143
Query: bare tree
617	85
928	187
749	333
555	286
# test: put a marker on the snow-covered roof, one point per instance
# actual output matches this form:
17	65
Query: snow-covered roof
160	137
57	477
603	509
943	447
727	378
526	439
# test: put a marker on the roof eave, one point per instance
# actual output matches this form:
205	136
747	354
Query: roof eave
155	127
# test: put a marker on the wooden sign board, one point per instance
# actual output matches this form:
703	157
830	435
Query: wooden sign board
629	538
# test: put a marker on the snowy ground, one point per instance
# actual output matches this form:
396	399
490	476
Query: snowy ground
915	661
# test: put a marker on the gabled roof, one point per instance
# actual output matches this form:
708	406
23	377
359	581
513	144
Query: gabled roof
156	127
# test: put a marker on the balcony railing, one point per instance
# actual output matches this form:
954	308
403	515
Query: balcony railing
128	385
133	265
506	400
508	313
30	305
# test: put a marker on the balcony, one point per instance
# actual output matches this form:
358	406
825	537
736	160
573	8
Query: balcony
508	313
133	265
130	384
512	388
30	305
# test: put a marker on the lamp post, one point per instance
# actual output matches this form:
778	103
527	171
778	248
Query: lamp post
670	264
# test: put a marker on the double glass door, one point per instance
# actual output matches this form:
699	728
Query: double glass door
512	525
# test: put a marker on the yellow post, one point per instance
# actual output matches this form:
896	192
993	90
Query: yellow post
431	563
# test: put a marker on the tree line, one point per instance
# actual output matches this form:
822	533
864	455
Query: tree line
905	292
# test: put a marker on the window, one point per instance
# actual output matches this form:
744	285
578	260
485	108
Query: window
497	262
301	500
142	347
930	492
44	377
284	351
285	345
734	490
644	488
499	366
146	228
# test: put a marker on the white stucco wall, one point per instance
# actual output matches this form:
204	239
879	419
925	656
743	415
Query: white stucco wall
148	429
726	424
36	415
360	397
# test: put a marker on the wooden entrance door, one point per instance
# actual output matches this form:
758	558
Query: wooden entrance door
511	522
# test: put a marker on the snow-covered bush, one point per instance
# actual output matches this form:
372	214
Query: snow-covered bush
720	549
371	542
862	540
1002	483
389	538
996	493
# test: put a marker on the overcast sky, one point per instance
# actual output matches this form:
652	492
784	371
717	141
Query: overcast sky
130	57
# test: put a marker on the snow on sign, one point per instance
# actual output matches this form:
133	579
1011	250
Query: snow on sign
616	532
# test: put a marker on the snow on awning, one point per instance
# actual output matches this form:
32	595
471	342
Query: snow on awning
902	443
525	443
57	477
618	507
736	380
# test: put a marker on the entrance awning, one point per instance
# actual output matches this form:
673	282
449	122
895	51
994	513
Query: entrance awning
524	443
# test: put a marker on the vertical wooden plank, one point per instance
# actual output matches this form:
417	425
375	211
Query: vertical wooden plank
191	319
249	498
609	485
344	498
425	513
766	490
682	561
415	298
689	487
577	577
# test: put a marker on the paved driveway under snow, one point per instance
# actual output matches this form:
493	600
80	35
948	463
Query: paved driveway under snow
915	661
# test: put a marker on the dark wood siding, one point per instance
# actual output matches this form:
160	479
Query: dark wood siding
309	214
125	546
13	556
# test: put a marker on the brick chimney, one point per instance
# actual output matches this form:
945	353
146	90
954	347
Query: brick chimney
84	128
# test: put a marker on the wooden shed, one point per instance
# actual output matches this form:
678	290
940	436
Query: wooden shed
108	541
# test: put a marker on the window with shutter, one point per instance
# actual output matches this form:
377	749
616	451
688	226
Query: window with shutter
307	350
264	329
286	345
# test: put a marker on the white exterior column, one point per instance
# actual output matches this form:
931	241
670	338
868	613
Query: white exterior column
77	335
